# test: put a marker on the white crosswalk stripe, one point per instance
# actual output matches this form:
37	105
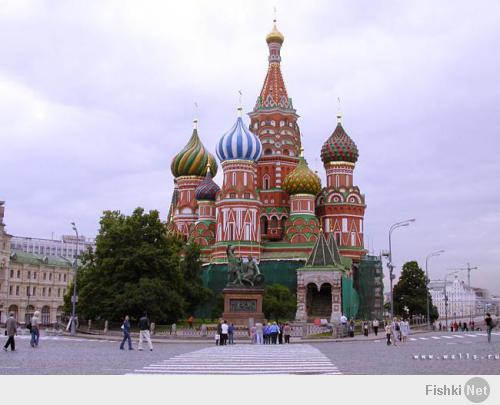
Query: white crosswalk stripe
246	359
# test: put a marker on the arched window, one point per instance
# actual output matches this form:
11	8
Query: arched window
263	225
283	221
268	152
30	310
274	222
45	315
266	182
286	152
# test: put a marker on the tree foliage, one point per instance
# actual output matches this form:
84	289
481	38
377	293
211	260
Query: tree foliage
279	302
137	267
411	292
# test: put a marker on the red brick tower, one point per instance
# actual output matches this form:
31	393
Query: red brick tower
341	206
274	121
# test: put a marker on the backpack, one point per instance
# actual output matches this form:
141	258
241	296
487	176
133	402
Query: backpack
28	326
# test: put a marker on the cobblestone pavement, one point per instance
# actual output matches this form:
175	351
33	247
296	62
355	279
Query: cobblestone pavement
66	355
452	353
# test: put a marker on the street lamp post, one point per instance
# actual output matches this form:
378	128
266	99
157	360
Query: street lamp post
390	265
446	297
73	298
436	253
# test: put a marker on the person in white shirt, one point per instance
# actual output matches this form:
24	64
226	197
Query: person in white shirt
405	330
375	325
223	335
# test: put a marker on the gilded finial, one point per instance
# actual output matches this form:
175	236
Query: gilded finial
301	152
240	104
339	112
195	123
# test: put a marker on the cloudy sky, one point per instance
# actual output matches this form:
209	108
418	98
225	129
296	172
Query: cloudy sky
96	97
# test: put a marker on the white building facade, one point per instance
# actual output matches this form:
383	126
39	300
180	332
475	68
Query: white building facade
66	247
462	300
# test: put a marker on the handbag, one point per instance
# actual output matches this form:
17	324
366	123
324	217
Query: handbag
217	336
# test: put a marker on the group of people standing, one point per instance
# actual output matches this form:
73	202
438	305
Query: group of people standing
224	334
270	333
397	330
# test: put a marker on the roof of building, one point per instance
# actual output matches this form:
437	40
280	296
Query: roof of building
332	243
302	180
321	255
192	160
239	143
207	189
18	256
339	147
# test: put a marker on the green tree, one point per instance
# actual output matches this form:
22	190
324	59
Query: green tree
137	267
279	302
411	292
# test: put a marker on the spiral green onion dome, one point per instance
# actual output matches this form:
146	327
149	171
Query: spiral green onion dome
192	160
339	147
302	180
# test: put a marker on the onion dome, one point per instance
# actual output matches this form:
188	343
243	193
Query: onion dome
193	159
339	147
239	143
302	180
207	189
275	35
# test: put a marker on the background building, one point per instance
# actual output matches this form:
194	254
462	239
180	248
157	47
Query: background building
66	247
31	282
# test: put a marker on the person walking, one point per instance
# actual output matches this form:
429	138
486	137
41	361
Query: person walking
440	326
388	333
472	326
343	322
365	328
489	325
35	329
224	333
144	332
126	334
375	325
253	334
218	333
230	334
173	329
405	330
10	331
274	330
280	333
395	331
287	331
259	333
351	328
265	331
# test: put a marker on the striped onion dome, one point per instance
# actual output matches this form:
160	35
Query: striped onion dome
192	160
302	180
339	147
239	143
207	189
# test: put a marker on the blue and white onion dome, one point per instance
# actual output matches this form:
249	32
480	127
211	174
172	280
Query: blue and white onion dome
239	143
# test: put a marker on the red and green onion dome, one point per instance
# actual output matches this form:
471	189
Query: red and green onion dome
339	147
302	180
193	159
207	189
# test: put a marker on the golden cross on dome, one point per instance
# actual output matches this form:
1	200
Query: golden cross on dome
274	14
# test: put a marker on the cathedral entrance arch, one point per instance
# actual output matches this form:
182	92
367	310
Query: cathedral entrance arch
319	300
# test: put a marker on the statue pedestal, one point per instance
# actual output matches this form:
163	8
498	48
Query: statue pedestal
242	304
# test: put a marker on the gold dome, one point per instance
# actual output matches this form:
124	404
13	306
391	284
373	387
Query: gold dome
275	36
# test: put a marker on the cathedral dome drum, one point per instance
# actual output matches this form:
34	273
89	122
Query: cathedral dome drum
339	147
239	143
302	180
207	189
193	159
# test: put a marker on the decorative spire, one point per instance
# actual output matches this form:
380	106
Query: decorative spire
195	124
339	112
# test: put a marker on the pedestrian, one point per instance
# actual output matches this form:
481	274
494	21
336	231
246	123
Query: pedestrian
10	331
388	332
144	332
395	331
466	328
351	328
489	325
343	322
218	333
253	334
126	333
375	325
190	322
440	326
259	333
35	329
280	334
273	331
405	330
224	333
230	334
365	328
472	326
173	329
287	331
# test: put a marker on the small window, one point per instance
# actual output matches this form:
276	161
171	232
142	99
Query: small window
29	275
19	274
11	273
247	196
65	277
34	291
10	290
17	290
232	195
45	276
268	152
50	276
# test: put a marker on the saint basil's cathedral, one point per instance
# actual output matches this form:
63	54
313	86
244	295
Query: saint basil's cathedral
271	205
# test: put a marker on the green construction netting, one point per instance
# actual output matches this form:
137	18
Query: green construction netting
350	299
368	280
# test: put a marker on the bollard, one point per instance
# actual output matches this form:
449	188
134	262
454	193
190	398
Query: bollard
152	327
105	326
89	324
